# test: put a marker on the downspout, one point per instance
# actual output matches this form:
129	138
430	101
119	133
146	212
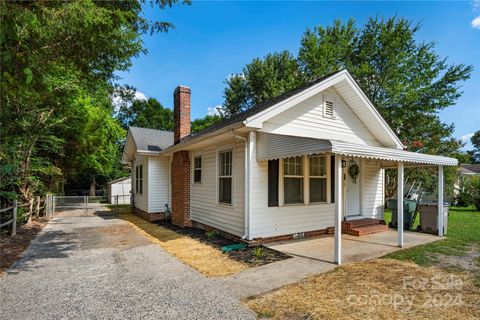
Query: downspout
246	199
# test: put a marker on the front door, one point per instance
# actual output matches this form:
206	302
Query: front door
352	187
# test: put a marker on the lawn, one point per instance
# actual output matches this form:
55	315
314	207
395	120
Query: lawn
432	281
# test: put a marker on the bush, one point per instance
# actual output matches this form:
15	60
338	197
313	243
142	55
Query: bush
472	190
463	200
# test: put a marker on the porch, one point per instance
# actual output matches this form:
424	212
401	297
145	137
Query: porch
354	249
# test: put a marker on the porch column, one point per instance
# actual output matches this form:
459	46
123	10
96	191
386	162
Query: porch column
400	204
440	201
338	209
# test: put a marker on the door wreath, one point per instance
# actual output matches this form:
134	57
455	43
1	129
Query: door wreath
353	170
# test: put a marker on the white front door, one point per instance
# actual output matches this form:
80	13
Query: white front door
352	190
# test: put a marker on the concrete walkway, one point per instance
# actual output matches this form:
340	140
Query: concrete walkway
312	256
91	267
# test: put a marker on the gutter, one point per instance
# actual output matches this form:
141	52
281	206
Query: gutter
246	205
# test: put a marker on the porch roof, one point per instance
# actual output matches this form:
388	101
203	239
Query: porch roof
275	146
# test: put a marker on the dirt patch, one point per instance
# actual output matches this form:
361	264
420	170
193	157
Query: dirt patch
468	261
378	289
245	256
119	236
11	247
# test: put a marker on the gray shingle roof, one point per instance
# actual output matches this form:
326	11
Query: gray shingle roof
151	139
473	169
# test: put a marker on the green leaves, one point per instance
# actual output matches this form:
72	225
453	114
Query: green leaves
29	75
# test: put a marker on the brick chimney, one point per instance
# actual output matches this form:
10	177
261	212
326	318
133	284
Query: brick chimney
181	113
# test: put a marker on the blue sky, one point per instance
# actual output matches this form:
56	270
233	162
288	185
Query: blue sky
214	39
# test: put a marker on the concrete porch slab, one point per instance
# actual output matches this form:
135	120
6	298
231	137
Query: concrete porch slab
313	256
354	249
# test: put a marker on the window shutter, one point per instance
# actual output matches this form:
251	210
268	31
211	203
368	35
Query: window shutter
332	179
273	176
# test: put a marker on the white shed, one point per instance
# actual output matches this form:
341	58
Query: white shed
122	188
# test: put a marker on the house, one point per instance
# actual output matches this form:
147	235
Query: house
294	166
465	172
119	190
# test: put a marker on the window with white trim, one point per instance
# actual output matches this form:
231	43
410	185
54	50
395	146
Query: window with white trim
317	178
293	180
225	167
197	169
139	179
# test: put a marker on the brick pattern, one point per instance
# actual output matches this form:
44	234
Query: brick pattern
362	227
181	113
180	173
150	217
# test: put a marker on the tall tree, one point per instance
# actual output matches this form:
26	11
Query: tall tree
52	54
146	114
201	124
475	153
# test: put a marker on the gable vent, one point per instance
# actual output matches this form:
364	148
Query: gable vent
328	111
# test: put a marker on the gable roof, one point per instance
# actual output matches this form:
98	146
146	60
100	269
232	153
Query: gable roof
151	139
256	115
469	169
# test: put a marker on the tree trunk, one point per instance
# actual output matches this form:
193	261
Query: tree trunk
93	187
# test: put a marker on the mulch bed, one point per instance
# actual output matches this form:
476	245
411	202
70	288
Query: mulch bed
11	247
246	255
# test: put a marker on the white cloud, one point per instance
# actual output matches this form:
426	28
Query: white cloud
213	111
476	23
466	137
140	96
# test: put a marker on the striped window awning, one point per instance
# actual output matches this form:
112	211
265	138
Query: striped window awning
275	146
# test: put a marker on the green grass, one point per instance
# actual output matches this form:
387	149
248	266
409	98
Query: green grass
387	216
113	206
463	232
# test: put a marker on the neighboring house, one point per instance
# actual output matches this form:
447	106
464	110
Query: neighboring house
293	166
119	190
465	172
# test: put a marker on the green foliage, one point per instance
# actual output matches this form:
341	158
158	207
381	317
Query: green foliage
471	189
211	234
59	60
258	252
204	123
475	153
146	114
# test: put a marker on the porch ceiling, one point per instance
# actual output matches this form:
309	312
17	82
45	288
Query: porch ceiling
275	146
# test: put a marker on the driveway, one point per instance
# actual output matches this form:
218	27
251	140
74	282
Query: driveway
97	267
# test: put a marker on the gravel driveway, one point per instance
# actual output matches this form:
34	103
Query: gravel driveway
98	267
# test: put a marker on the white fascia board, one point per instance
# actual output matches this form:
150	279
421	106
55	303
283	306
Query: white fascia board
256	120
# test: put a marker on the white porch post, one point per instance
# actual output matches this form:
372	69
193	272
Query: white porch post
338	209
440	201
400	204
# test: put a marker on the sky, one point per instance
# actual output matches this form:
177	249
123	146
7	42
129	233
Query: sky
214	39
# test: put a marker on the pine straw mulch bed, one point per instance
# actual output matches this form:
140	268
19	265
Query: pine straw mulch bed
192	247
377	289
11	247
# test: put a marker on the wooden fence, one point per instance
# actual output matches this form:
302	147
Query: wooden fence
35	207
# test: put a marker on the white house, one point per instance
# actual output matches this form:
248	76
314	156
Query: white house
294	166
119	189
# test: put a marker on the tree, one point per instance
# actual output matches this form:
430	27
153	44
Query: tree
146	114
475	153
53	54
204	123
406	79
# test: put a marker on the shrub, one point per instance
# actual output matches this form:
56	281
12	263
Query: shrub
258	252
472	189
211	234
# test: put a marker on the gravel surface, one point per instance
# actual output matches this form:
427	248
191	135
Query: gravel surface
92	267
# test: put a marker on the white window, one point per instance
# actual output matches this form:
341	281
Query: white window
318	178
328	108
225	177
139	179
197	169
293	180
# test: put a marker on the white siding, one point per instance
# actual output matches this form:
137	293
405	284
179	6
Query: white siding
141	200
204	207
158	183
306	120
272	221
373	178
122	189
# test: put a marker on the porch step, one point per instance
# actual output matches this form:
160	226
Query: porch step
362	227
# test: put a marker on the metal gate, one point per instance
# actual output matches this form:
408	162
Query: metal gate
85	203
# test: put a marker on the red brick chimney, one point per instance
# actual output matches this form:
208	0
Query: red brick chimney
181	113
